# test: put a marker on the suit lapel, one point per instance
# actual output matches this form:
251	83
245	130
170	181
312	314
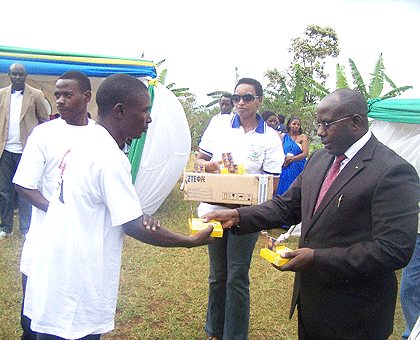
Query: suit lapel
27	94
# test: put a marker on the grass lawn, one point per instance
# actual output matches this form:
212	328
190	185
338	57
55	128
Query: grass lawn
163	292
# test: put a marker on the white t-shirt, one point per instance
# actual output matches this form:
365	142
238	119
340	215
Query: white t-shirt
13	143
74	274
212	130
38	167
260	150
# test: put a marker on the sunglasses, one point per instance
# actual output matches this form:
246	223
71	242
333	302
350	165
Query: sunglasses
247	98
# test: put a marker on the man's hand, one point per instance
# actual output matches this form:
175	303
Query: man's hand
150	222
202	237
228	218
301	259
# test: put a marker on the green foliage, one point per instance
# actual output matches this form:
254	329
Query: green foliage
311	51
198	118
376	85
161	78
341	77
215	95
294	92
358	80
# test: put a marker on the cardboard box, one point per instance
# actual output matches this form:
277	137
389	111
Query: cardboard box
228	189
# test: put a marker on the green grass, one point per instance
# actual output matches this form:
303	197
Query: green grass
163	291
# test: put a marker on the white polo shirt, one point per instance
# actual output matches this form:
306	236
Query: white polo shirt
260	150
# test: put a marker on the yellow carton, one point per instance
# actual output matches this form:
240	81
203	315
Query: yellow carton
275	256
197	224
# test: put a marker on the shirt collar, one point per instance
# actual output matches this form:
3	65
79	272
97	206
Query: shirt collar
235	123
15	91
354	149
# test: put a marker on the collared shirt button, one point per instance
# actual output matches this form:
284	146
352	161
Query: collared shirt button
306	240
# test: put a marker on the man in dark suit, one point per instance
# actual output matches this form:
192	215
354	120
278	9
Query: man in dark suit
355	237
21	108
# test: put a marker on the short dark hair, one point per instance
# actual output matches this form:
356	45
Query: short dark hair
227	95
267	114
292	119
281	118
81	78
253	82
118	88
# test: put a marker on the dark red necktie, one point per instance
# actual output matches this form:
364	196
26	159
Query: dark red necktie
332	174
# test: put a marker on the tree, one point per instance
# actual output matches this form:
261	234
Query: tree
198	118
375	88
311	51
161	78
289	92
377	81
215	95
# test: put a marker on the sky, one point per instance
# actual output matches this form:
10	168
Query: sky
203	42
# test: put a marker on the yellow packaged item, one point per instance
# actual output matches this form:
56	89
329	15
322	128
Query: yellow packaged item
275	256
272	251
197	224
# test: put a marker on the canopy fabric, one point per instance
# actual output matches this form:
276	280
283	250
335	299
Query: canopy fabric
44	67
395	110
403	138
56	63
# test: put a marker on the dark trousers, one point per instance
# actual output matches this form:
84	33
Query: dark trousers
25	322
8	165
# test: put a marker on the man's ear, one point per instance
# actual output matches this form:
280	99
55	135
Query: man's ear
88	96
118	110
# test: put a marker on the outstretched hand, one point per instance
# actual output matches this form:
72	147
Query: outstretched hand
150	222
228	218
203	237
300	259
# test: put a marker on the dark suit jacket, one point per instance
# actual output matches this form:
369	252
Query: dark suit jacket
34	111
364	229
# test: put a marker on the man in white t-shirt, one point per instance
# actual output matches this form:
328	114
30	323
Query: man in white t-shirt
73	277
44	149
226	106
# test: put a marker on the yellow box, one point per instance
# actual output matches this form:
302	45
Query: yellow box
240	168
196	224
228	189
275	257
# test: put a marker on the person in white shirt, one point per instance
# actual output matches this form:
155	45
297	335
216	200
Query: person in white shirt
22	107
34	177
73	276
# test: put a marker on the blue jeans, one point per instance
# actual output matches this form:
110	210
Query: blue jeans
228	305
410	290
8	165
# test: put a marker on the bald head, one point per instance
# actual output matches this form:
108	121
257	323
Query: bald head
17	75
347	103
343	120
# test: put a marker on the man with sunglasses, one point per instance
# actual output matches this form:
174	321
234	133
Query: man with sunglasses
251	142
358	226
